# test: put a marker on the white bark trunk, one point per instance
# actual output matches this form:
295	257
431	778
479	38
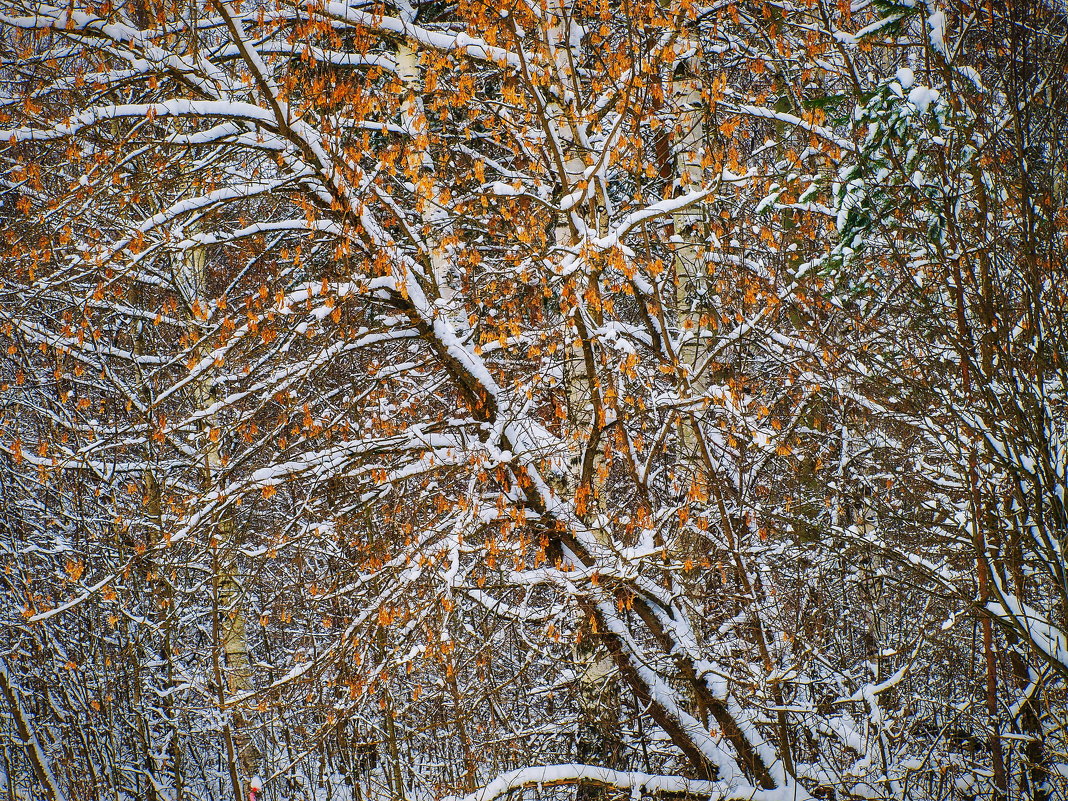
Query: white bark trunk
230	627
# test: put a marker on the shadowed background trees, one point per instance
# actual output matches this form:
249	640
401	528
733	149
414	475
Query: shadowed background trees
452	399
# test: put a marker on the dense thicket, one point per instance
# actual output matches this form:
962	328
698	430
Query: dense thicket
410	400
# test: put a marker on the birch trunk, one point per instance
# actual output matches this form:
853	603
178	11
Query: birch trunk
234	673
420	170
597	686
692	239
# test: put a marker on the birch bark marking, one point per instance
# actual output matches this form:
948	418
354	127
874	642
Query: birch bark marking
685	223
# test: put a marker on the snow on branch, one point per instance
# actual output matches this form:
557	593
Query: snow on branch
472	46
177	107
636	782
